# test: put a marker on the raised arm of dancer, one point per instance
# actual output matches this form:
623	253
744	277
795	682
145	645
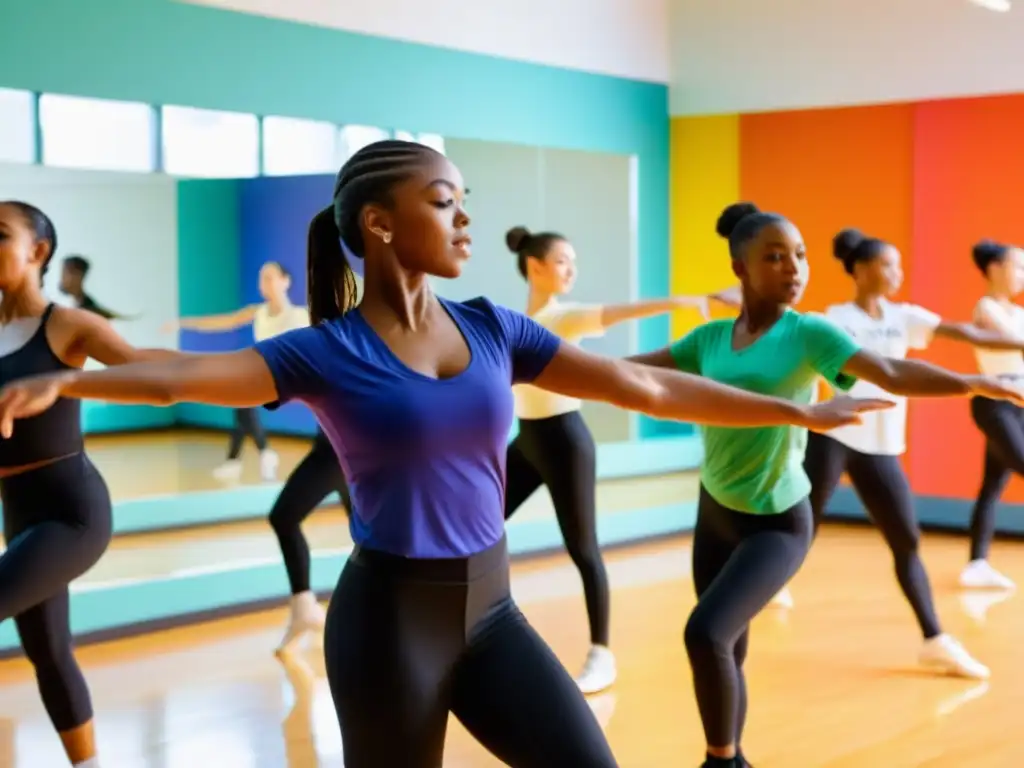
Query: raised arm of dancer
980	337
243	379
613	314
228	321
93	337
681	396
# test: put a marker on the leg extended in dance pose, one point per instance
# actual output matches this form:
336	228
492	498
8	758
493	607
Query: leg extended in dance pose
554	447
1001	423
754	485
884	491
413	391
312	480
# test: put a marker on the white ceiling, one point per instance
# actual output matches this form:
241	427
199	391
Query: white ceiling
626	38
754	55
725	55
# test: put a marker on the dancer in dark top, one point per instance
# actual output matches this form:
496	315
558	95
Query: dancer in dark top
72	283
56	508
414	393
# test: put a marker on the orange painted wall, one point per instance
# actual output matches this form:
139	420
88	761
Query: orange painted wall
828	169
969	167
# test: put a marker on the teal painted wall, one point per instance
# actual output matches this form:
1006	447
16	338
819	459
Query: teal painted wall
160	51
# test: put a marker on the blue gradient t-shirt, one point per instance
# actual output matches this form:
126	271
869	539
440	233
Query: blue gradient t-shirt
424	458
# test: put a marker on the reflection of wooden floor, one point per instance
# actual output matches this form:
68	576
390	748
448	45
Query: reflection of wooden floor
168	552
173	462
831	683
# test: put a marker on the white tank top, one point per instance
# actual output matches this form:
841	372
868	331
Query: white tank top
900	328
571	322
266	325
992	362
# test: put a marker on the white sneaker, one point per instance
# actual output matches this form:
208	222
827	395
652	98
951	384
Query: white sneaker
599	670
307	619
92	762
229	470
944	654
980	575
783	598
268	464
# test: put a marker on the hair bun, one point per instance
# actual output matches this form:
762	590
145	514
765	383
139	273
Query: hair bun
516	238
732	216
846	242
985	252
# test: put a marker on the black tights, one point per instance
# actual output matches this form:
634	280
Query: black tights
1002	423
559	452
408	641
247	424
57	524
317	475
740	561
885	493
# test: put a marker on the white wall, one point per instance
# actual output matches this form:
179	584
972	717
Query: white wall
126	225
756	55
626	38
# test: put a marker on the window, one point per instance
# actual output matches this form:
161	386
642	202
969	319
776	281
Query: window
299	146
210	144
352	138
432	140
17	126
95	133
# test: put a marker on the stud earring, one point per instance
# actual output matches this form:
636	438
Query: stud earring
386	237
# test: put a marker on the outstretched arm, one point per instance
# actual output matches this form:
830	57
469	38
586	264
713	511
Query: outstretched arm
671	394
225	322
979	337
94	337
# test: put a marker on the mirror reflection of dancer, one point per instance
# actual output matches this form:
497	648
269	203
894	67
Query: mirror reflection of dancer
414	393
869	452
754	521
554	447
276	315
56	506
73	274
1000	422
72	283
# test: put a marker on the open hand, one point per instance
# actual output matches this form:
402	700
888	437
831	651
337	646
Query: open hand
27	397
841	411
997	389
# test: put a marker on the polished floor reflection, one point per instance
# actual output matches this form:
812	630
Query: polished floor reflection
832	682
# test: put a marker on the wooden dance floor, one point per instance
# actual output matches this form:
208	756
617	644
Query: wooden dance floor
832	682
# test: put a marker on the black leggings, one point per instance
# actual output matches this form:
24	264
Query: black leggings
559	452
317	475
247	424
1002	423
740	561
57	524
885	493
408	641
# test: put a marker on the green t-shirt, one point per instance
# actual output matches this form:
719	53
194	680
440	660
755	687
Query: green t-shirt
760	470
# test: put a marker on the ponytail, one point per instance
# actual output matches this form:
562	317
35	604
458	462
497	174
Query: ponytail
331	284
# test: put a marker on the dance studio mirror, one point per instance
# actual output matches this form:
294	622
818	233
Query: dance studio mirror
163	251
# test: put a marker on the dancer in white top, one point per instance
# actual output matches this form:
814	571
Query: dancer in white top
869	452
1003	427
554	447
276	315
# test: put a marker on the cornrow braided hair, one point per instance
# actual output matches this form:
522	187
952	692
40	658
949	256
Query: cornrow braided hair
367	178
42	227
